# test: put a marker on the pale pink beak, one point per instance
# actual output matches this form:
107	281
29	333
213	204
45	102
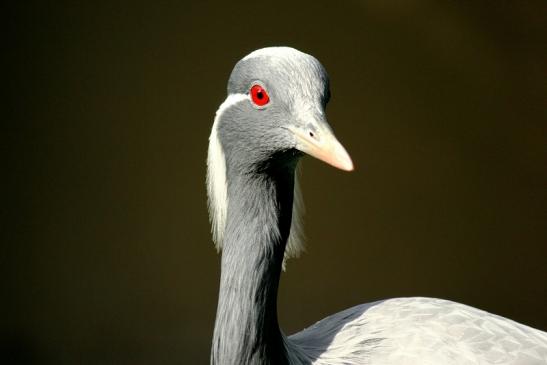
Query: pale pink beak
324	146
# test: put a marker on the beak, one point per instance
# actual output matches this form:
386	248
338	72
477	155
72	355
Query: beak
323	145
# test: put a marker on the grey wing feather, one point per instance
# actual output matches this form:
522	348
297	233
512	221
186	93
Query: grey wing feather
418	331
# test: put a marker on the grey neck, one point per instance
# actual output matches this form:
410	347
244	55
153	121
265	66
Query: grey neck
257	228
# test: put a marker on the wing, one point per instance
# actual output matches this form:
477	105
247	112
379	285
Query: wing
418	331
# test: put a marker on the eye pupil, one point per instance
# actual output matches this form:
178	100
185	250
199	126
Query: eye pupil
259	96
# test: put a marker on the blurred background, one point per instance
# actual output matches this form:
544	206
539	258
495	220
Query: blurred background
106	248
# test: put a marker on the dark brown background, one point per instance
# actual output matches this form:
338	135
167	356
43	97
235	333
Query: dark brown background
107	256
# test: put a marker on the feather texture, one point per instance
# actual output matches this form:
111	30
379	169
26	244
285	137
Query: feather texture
417	330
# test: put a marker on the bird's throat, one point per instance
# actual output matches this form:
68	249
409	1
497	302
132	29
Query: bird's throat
257	228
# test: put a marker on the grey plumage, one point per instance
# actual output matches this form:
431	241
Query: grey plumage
246	329
253	153
260	185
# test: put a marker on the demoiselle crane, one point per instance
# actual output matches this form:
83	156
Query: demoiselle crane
273	114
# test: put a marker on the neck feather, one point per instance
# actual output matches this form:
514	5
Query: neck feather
257	227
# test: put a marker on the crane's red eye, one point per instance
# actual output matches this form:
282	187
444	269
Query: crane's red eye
259	95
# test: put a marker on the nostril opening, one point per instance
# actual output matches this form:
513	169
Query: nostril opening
311	134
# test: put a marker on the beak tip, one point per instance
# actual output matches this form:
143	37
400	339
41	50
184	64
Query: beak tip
343	159
347	165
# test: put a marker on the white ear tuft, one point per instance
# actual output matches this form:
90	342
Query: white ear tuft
295	244
217	188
